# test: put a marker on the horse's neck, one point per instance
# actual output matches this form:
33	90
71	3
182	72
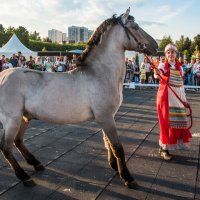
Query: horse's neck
108	57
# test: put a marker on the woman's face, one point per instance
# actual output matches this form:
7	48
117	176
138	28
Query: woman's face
171	55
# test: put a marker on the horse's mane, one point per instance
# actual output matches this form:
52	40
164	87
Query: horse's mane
95	38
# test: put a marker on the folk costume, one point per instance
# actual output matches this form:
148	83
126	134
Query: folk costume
172	115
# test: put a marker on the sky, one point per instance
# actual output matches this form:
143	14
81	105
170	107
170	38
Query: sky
157	17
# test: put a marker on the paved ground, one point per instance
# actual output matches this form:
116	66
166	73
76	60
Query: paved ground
76	160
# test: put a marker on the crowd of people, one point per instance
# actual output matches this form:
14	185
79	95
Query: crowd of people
145	73
62	64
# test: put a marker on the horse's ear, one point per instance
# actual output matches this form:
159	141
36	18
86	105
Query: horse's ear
125	15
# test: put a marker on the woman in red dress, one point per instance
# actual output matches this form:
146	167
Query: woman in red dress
172	115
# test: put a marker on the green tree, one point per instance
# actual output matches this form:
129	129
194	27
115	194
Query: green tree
9	32
46	39
34	36
183	43
197	50
197	41
2	35
186	54
22	34
165	40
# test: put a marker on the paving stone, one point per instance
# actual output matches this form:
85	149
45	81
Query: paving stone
96	175
197	194
76	189
172	188
8	179
116	190
77	157
179	169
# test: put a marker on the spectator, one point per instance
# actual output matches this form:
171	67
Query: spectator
156	63
7	64
185	70
190	73
14	61
129	72
147	68
30	63
59	65
2	61
67	62
195	69
38	64
19	54
143	74
136	74
197	72
180	59
48	65
22	62
74	61
133	68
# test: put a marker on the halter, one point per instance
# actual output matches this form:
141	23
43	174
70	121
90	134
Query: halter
141	46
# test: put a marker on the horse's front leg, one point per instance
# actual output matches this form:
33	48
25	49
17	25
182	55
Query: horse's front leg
110	131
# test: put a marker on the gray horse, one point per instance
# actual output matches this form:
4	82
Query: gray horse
92	91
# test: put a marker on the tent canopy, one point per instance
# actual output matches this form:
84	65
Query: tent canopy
78	51
13	46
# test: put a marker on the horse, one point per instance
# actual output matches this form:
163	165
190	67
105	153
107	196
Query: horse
91	91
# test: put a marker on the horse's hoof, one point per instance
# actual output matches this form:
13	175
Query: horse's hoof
39	167
29	183
132	185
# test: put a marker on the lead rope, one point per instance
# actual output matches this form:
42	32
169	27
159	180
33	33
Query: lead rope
186	106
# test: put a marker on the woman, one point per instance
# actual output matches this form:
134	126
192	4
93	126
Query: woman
21	62
174	133
49	65
38	64
143	74
7	64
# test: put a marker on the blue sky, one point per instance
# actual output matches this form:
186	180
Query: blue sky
157	17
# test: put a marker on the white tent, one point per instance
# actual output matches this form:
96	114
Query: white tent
13	46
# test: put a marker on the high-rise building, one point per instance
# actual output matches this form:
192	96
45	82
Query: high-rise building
64	37
55	36
78	34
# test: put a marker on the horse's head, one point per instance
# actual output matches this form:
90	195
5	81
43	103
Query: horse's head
137	38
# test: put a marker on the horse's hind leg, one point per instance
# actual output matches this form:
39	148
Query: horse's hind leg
111	158
10	131
19	143
110	131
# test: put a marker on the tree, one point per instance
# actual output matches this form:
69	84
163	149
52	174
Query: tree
184	46
34	36
166	40
46	39
186	53
197	41
197	50
183	43
2	35
22	34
